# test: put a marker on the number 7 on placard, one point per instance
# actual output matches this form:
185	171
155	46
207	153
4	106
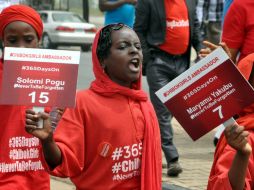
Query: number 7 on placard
219	109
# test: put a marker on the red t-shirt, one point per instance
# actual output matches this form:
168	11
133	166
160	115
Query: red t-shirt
101	142
238	28
177	27
20	155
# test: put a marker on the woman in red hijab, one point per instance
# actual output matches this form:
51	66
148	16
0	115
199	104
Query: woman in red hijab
20	156
111	139
233	166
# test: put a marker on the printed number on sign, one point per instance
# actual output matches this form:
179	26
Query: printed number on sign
43	98
219	109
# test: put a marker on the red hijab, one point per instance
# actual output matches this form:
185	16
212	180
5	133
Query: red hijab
246	118
21	13
151	168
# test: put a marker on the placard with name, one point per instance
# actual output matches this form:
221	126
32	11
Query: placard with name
207	94
39	77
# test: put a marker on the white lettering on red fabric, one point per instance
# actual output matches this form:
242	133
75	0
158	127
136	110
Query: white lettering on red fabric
24	155
126	161
176	24
21	166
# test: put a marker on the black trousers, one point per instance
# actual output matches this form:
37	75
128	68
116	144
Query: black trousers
161	69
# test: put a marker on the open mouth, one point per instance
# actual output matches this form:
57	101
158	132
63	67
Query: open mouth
135	62
134	65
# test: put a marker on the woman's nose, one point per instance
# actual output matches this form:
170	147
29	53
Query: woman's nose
21	45
133	49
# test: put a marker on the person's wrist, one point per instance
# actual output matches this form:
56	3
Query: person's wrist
49	139
246	151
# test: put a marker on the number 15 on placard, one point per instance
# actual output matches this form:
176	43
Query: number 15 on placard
43	97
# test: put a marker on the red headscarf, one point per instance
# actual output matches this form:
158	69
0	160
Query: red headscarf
21	13
246	118
151	169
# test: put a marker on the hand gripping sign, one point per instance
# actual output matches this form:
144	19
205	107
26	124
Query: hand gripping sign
207	94
39	77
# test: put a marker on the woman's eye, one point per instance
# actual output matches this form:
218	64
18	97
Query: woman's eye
29	39
12	41
122	45
138	46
